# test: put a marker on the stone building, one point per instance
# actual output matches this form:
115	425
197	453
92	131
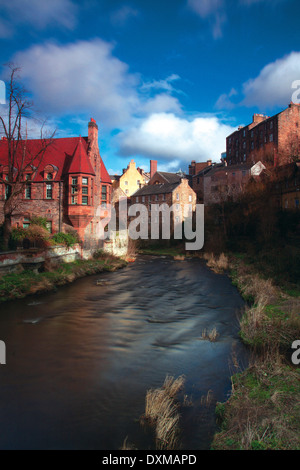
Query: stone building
131	180
224	182
283	184
272	140
68	187
167	188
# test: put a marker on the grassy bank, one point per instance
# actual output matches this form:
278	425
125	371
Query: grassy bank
263	411
19	285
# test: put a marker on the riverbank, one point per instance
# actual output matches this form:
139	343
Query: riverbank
263	411
20	285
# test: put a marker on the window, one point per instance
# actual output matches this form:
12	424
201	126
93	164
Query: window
244	133
104	195
156	197
177	207
49	176
85	200
49	191
252	145
126	191
271	137
126	183
244	145
49	226
143	198
74	190
26	222
177	219
28	191
177	197
245	157
190	198
137	199
271	125
297	203
138	182
85	188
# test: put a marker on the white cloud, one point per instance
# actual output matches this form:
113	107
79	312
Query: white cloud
270	89
273	86
85	77
224	101
78	78
166	136
165	84
162	103
39	14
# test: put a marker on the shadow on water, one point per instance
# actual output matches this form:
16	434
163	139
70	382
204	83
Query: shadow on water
79	361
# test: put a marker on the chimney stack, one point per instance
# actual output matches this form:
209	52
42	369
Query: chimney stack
93	135
153	167
192	168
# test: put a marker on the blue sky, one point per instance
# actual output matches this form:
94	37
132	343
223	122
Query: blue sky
165	80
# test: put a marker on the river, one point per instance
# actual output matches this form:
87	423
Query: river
80	360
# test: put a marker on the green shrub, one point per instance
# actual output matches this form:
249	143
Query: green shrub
40	221
66	239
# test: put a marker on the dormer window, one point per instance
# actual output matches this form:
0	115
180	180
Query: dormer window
49	176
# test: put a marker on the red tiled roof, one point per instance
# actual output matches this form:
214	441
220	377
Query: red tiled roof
80	162
63	153
105	178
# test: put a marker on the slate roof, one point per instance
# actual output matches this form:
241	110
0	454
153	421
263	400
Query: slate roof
156	189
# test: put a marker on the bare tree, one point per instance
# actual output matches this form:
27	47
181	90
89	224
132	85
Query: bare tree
22	159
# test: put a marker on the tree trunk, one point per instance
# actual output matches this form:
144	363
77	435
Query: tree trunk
6	228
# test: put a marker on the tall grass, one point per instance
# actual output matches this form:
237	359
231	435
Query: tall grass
162	412
217	264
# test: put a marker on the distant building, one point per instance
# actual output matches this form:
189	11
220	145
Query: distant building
272	140
67	188
196	174
172	189
224	182
283	184
131	180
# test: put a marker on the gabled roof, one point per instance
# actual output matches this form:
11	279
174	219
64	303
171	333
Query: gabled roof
80	161
169	177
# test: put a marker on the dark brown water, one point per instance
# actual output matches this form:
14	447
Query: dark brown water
79	361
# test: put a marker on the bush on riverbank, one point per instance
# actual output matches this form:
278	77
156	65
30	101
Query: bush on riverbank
19	285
